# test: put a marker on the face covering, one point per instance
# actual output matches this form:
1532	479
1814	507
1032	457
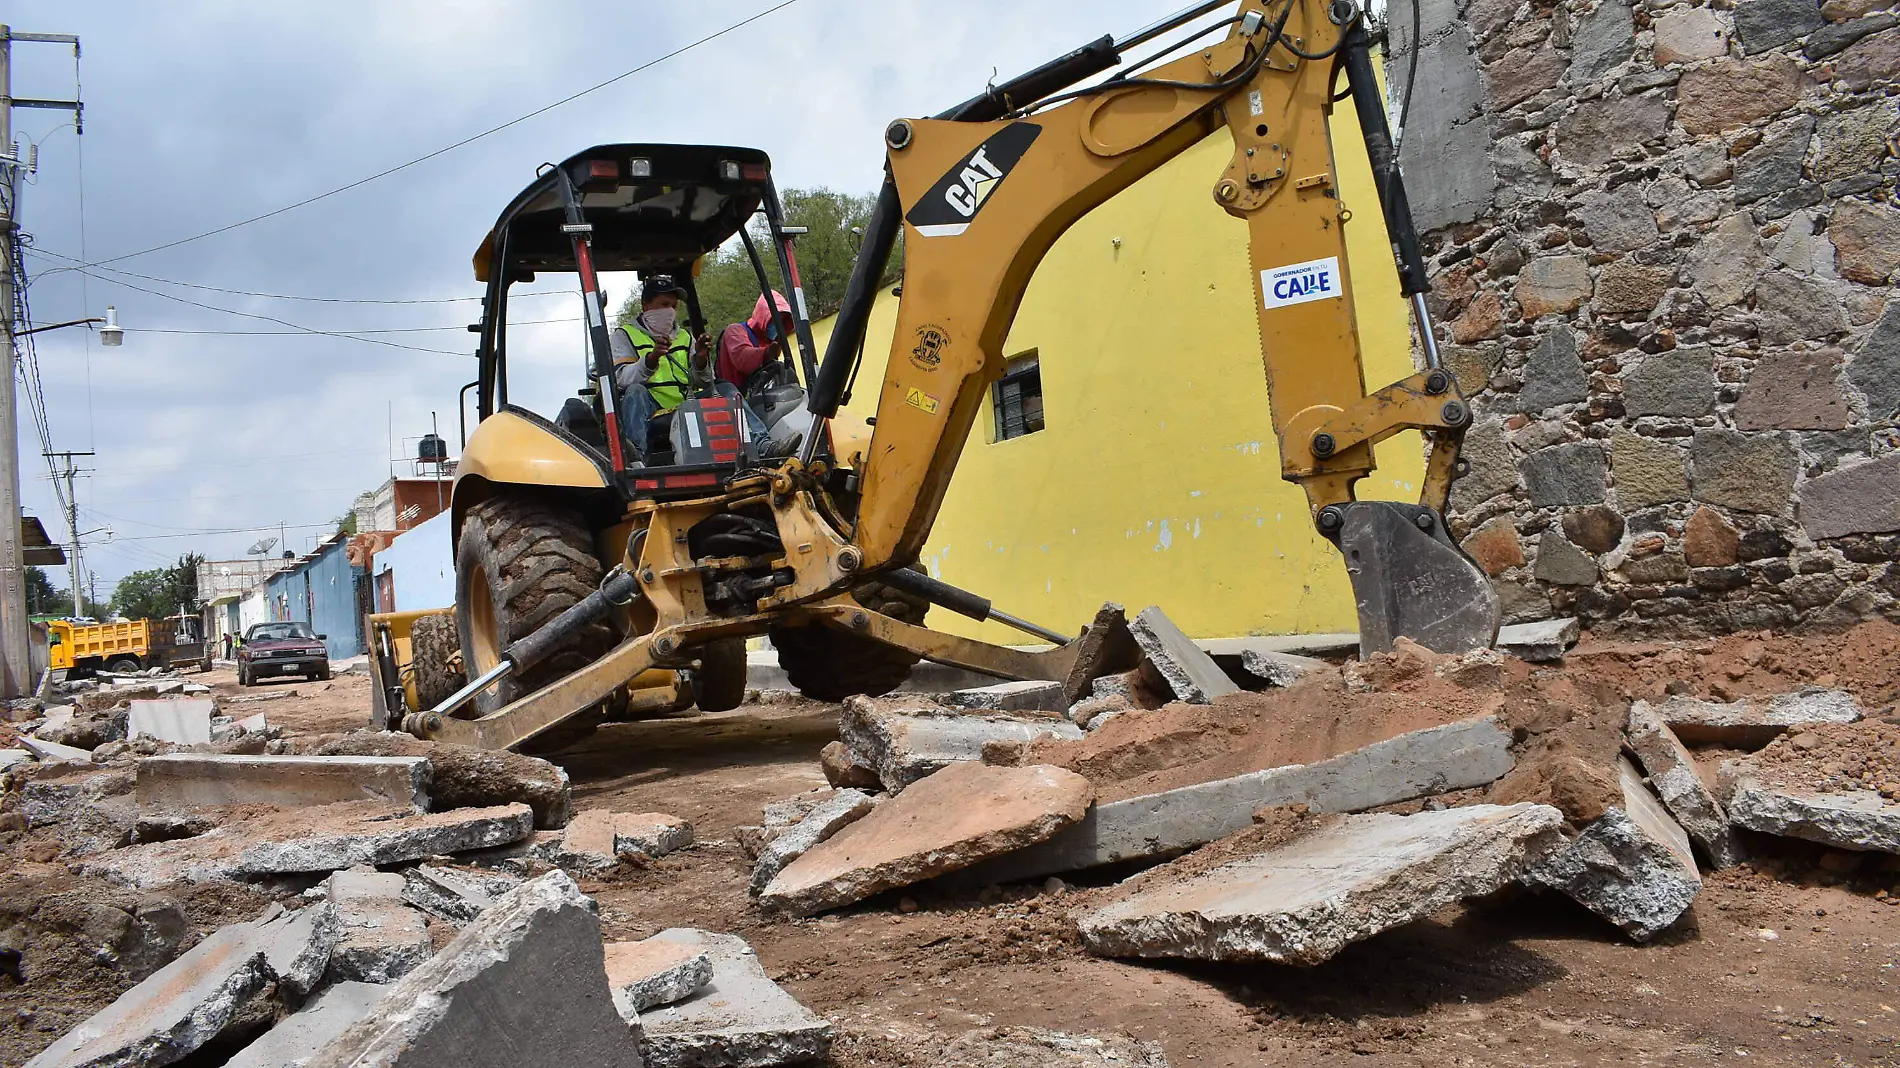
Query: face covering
660	322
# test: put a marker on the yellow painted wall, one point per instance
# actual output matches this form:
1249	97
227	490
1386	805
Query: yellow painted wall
1157	480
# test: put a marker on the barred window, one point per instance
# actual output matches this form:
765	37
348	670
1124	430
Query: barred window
1018	397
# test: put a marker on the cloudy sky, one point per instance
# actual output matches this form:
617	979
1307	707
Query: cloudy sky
209	433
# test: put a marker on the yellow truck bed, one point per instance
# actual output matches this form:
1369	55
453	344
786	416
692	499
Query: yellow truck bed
72	645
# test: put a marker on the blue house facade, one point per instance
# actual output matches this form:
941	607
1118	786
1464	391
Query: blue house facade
326	591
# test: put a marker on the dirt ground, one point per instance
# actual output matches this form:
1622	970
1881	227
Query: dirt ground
1788	960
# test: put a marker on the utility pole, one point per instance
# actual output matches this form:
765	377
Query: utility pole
72	521
15	659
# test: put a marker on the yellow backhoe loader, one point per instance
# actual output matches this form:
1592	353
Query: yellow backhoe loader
591	585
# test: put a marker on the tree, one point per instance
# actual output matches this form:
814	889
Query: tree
160	592
728	286
346	523
41	597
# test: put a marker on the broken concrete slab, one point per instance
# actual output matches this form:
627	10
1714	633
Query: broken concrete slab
905	741
953	819
456	895
91	804
597	839
10	757
1280	669
1455	756
289	841
1672	772
1632	866
190	780
302	1035
654	972
1105	648
1189	673
1541	642
1752	722
740	1019
178	1008
1027	696
380	939
56	718
829	817
1304	901
186	721
297	945
462	776
1860	820
524	986
53	752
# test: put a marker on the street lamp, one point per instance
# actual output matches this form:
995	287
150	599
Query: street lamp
111	335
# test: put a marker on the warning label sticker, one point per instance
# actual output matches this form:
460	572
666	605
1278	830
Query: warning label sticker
1297	283
921	401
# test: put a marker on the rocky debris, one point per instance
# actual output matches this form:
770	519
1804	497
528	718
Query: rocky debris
463	776
654	972
85	728
1027	696
456	895
530	966
905	741
298	1037
841	770
740	1019
10	757
190	780
1542	642
92	806
1017	1047
1633	866
597	839
1672	773
381	938
1456	756
953	819
1302	902
185	1004
1848	819
827	818
1105	648
311	840
1185	669
1752	722
1279	669
523	858
186	721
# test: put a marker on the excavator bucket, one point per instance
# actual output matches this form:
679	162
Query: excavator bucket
1411	580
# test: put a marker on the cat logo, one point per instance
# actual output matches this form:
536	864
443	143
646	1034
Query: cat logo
931	341
948	207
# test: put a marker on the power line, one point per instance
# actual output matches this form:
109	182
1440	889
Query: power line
331	524
351	333
81	263
298	327
715	35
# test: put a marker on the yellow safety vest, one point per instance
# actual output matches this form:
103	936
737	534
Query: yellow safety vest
670	380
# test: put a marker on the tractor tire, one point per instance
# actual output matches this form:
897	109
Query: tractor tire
435	654
521	561
719	681
827	664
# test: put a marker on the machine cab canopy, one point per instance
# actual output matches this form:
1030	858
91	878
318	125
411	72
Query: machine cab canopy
653	208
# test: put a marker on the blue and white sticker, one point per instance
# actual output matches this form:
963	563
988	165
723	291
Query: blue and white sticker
1298	283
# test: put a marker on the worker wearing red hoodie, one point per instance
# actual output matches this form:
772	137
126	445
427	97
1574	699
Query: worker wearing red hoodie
746	347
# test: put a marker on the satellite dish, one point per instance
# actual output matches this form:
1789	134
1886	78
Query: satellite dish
263	546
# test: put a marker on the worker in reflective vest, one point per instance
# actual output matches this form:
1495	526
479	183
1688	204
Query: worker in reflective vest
654	360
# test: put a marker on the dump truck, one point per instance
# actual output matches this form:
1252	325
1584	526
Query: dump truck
82	649
595	581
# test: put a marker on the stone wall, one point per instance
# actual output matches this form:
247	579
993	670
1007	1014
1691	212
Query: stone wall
1663	240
